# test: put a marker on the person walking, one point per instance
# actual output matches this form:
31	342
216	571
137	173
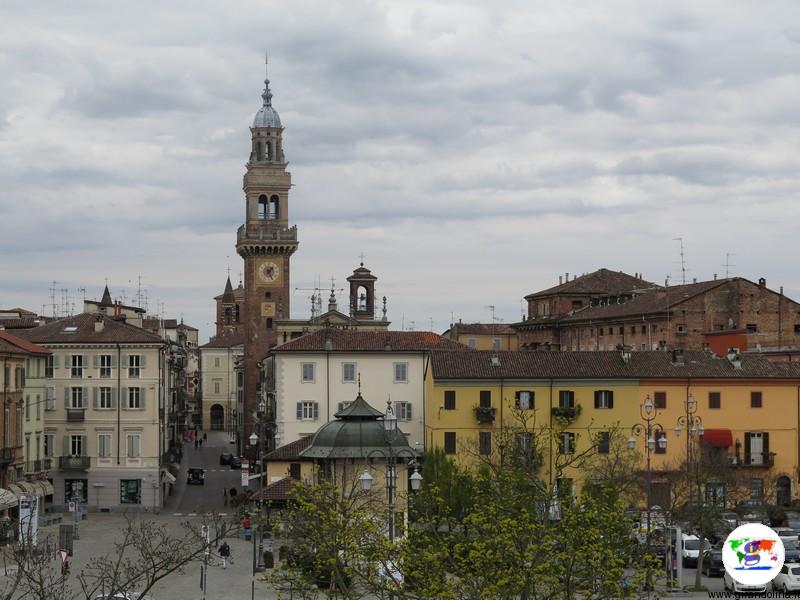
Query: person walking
196	444
224	552
225	496
205	436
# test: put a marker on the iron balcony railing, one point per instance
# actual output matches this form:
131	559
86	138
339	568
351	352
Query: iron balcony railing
74	463
76	414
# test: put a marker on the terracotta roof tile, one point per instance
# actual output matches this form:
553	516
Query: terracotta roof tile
290	451
61	332
602	282
608	364
371	341
23	344
20	323
278	491
225	341
482	329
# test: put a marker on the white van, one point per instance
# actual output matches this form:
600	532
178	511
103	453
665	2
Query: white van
690	549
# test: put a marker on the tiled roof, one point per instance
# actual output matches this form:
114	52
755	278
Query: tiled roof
9	348
62	332
23	344
602	282
290	451
20	323
225	341
603	365
276	491
370	341
482	329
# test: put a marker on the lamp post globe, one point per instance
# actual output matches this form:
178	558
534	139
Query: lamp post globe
389	419
253	439
366	481
631	443
648	405
416	480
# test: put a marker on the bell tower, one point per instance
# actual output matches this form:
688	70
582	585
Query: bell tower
266	242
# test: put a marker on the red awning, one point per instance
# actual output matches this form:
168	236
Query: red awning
722	438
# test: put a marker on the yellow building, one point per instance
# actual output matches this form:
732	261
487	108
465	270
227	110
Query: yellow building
477	401
483	336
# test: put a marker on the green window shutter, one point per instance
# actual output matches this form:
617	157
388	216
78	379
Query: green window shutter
84	446
113	361
123	401
85	397
142	361
96	398
55	361
96	361
65	447
408	411
66	396
113	397
142	396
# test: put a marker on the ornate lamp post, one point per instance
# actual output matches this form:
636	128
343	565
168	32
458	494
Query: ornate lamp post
692	422
654	436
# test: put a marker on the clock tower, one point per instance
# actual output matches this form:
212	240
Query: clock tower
266	242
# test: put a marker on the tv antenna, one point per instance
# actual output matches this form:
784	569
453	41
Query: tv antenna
683	260
728	264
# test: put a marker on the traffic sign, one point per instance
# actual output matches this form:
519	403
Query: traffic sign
63	554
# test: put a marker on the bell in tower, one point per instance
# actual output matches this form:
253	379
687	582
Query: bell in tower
362	294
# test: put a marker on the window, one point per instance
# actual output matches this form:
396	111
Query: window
604	442
601	332
751	328
715	493
449	442
567	443
105	366
576	304
403	410
76	446
49	442
307	411
134	365
797	327
450	400
756	489
38	407
524	400
486	399
401	372
485	442
343	405
76	365
134	445
566	399
644	328
76	490
660	435
27	410
104	445
604	399
49	365
660	399
756	448
216	386
130	491
714	399
524	443
19	377
269	323
51	398
472	343
349	372
216	363
104	398
295	471
621	331
18	436
496	344
564	489
755	400
76	397
134	398
682	328
308	372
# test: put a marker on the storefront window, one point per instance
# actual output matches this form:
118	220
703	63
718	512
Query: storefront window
130	491
76	490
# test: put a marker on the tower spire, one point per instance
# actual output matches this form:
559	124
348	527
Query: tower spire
266	94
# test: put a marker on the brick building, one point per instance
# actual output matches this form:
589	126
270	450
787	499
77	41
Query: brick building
605	310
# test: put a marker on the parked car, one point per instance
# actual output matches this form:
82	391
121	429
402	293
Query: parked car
788	580
196	475
225	458
730	520
236	462
731	585
791	551
712	563
690	549
786	534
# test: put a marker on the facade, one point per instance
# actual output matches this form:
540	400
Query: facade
219	367
286	461
748	405
103	424
230	310
266	243
483	336
606	310
313	377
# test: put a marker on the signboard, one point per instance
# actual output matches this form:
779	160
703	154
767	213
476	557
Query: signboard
245	475
206	536
28	519
63	555
71	506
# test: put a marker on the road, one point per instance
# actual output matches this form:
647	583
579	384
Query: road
198	499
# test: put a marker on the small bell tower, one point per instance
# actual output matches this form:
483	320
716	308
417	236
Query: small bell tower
362	293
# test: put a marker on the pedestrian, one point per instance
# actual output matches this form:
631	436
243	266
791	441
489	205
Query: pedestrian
205	437
248	532
65	568
233	493
224	552
225	496
196	443
201	442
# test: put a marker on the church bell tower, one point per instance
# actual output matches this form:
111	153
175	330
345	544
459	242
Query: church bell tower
266	243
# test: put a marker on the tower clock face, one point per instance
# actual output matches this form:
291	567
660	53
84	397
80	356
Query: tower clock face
268	271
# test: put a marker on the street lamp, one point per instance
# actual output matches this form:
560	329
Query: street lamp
253	439
655	436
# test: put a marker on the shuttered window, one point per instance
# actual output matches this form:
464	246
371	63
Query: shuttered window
450	442
450	400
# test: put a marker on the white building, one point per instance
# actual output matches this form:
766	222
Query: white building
313	377
106	384
218	359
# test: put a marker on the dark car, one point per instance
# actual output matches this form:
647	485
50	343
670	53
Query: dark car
196	475
236	462
225	458
712	563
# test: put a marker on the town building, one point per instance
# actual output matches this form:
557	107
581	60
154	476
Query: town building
230	310
605	310
313	377
483	336
104	431
221	382
479	402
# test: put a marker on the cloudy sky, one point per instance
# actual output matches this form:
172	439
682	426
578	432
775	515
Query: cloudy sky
472	150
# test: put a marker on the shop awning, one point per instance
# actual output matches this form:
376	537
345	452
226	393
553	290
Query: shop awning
169	477
15	489
28	488
721	438
7	499
47	487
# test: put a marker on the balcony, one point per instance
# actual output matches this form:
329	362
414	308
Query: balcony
34	466
760	460
255	233
485	414
76	414
74	463
7	455
566	413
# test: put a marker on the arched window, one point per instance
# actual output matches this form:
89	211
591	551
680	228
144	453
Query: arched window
236	313
361	303
259	151
262	206
267	151
274	209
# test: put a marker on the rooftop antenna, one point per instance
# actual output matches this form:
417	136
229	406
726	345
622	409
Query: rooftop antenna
83	290
53	297
683	260
728	264
431	324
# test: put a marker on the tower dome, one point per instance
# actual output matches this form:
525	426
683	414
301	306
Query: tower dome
266	115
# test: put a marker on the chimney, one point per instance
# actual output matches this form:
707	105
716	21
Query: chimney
781	290
694	280
677	357
762	283
559	280
99	324
734	358
715	276
626	355
387	345
567	276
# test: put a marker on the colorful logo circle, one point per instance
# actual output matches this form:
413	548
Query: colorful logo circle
753	554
